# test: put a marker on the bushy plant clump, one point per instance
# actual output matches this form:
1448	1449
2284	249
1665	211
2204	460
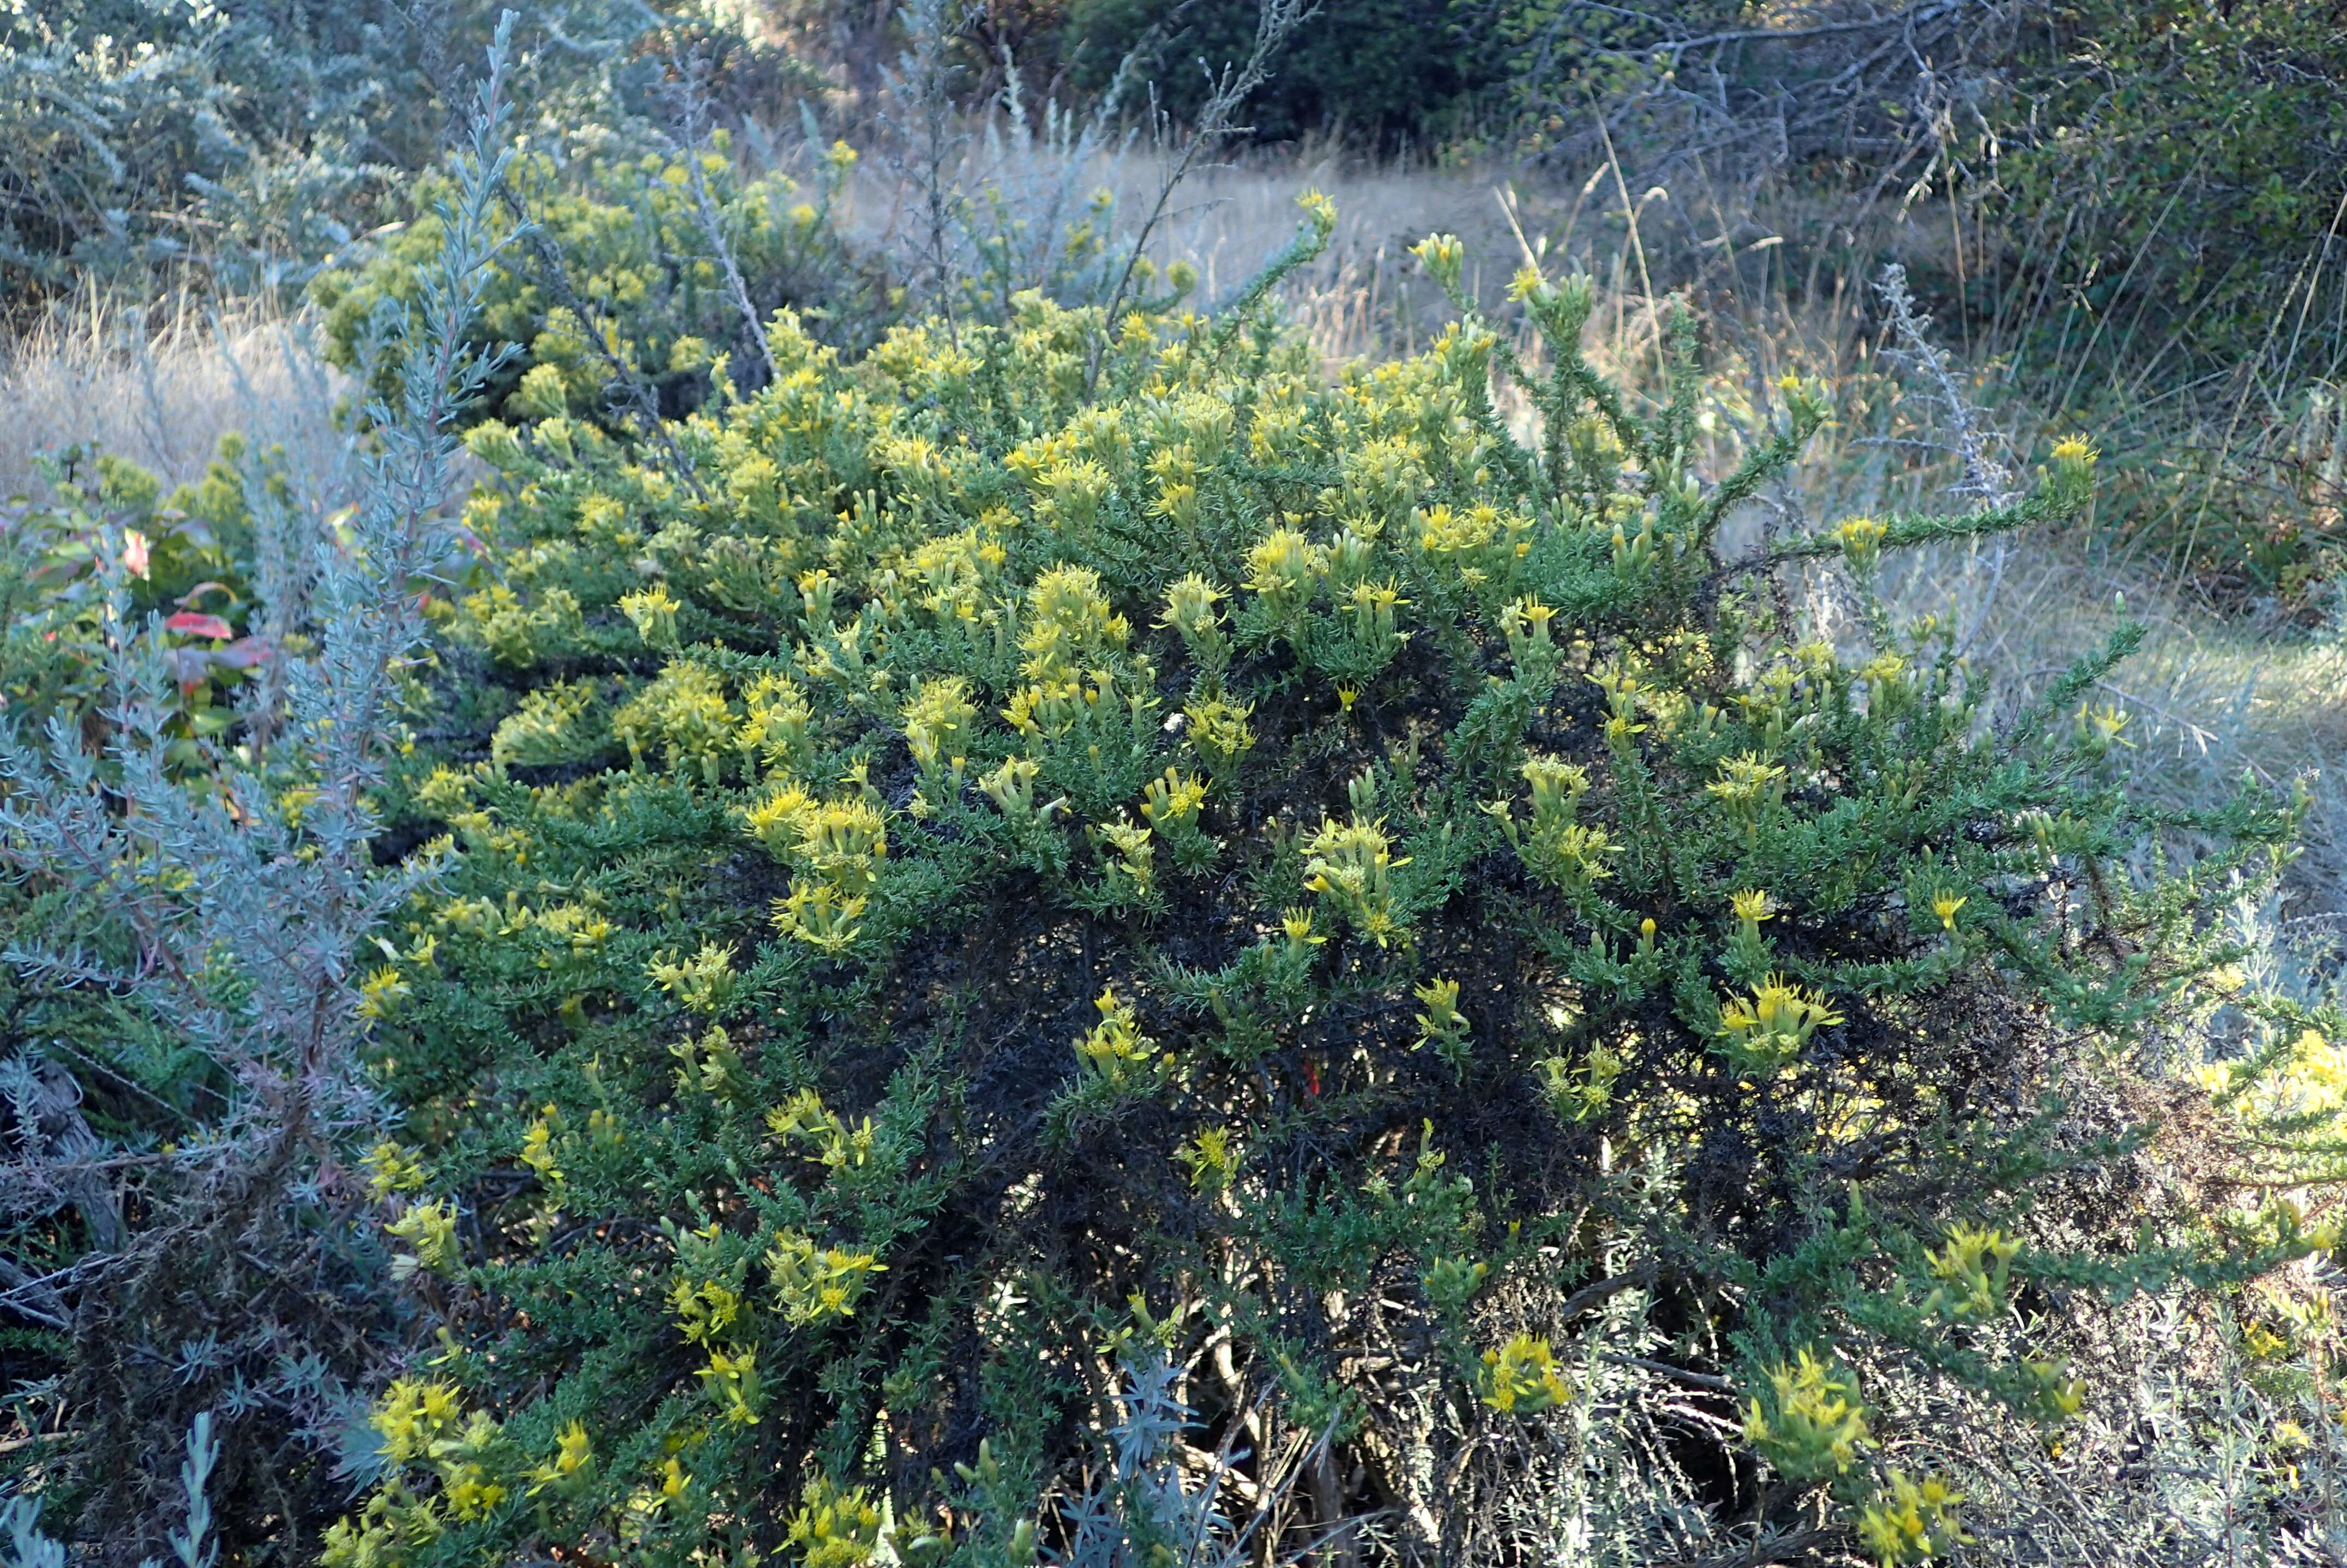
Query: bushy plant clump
616	290
1395	74
2173	196
182	559
241	145
2216	130
278	117
1056	858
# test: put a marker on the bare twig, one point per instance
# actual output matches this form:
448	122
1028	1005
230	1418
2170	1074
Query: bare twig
1216	124
1985	479
693	105
1675	1374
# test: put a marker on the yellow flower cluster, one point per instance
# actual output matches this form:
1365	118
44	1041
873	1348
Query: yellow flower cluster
1350	865
814	1283
837	847
1768	1030
1817	1422
1975	1269
1521	1377
1115	1052
1911	1520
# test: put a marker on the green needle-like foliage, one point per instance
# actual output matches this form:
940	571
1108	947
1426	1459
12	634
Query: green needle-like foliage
1062	848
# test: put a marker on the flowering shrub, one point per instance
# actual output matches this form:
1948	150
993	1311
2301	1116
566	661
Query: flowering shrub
616	294
1054	850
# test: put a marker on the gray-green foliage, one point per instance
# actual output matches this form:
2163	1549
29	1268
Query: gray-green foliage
197	1263
236	147
193	1546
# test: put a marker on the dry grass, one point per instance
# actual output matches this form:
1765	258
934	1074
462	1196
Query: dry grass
2212	700
162	386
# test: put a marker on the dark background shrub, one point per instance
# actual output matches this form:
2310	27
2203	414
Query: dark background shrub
1391	75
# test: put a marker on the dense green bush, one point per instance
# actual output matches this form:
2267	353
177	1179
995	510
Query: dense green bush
2191	156
1063	885
127	119
2173	197
616	291
186	557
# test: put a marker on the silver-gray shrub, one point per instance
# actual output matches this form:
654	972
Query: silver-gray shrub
215	1266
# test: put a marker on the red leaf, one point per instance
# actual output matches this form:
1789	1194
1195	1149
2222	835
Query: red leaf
197	625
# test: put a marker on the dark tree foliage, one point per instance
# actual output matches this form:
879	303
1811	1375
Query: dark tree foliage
1391	74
